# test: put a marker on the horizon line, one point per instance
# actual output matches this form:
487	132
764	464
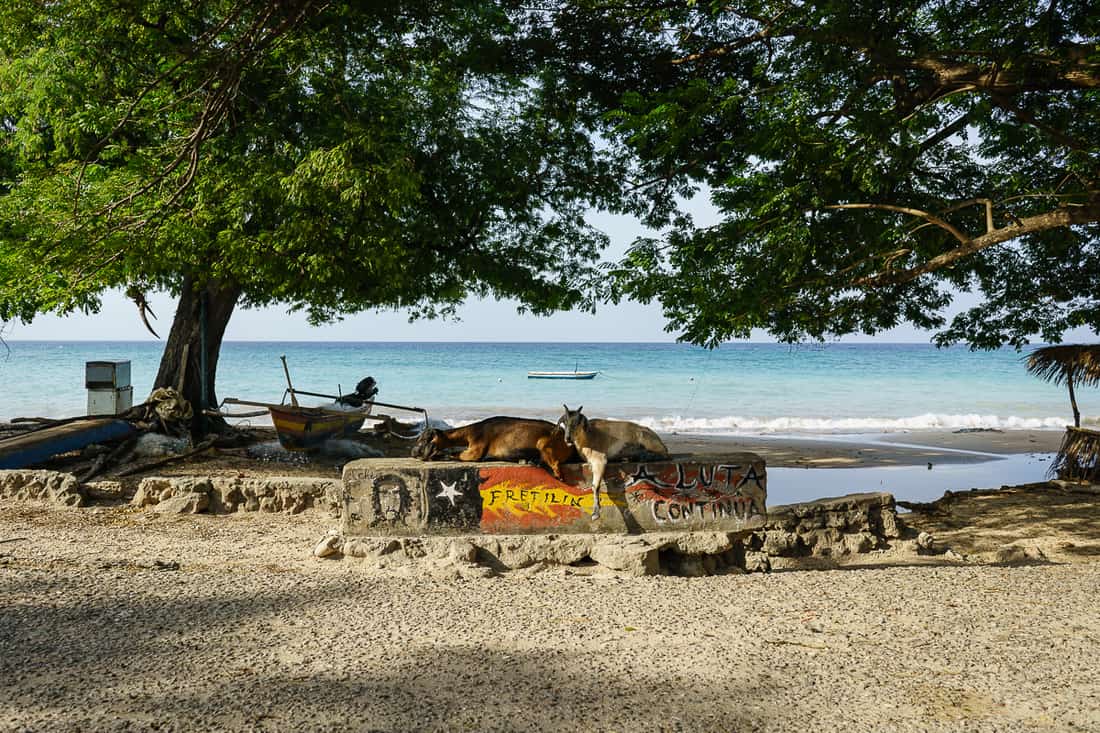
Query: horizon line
474	341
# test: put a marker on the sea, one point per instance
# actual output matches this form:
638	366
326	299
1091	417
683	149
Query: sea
736	389
839	391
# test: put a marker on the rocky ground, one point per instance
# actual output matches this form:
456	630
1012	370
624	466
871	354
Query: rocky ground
256	452
118	618
1046	521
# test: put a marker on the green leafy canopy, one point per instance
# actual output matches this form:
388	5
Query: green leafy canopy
868	159
331	156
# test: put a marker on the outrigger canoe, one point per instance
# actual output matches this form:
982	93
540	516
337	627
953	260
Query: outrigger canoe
306	428
302	428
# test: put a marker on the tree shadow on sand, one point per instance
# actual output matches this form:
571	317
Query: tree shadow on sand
140	651
986	521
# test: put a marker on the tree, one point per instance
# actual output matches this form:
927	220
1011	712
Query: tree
1071	364
333	156
868	159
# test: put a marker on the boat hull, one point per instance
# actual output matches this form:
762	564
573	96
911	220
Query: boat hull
562	375
40	445
305	429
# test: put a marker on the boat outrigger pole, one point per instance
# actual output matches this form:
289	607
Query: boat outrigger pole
289	386
368	407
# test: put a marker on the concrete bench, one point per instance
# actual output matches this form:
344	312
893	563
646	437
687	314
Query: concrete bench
406	497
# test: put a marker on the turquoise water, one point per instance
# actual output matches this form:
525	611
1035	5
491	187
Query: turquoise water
738	388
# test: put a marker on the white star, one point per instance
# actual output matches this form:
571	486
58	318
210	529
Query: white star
449	492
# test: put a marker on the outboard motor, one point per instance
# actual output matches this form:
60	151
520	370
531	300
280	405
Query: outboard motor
364	392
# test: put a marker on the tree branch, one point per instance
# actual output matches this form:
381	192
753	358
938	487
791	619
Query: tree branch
1027	118
764	33
223	83
931	218
188	56
1061	217
936	138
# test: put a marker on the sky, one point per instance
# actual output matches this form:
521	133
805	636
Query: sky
478	320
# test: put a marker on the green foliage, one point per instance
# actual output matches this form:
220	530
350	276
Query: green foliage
784	112
331	156
868	159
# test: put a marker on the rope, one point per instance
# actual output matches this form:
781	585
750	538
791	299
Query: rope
388	422
706	371
170	404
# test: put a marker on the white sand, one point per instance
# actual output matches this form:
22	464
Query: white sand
114	619
251	633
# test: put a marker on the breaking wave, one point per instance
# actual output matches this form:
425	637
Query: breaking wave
928	421
739	425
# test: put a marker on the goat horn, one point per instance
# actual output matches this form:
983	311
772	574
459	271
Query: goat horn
565	406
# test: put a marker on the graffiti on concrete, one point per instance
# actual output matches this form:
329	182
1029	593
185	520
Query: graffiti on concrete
408	497
455	501
530	498
394	503
447	491
686	493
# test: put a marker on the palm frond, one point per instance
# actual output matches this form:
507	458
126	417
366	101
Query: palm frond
1076	363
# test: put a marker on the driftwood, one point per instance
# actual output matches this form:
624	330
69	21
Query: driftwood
11	429
106	459
41	423
201	447
39	420
234	415
1078	458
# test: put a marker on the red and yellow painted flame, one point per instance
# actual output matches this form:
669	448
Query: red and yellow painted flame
530	498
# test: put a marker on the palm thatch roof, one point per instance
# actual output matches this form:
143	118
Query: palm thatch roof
1067	364
1079	457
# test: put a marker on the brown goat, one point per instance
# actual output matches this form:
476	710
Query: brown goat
600	441
500	438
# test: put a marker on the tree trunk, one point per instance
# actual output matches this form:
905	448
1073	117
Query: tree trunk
181	362
1073	403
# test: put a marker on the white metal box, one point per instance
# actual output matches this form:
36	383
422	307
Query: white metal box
110	401
106	374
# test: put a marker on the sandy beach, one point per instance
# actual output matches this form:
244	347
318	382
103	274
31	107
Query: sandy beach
562	367
118	619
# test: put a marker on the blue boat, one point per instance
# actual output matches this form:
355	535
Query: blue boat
40	445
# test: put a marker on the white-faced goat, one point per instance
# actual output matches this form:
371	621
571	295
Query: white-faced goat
600	441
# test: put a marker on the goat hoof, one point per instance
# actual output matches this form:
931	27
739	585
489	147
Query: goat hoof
595	516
